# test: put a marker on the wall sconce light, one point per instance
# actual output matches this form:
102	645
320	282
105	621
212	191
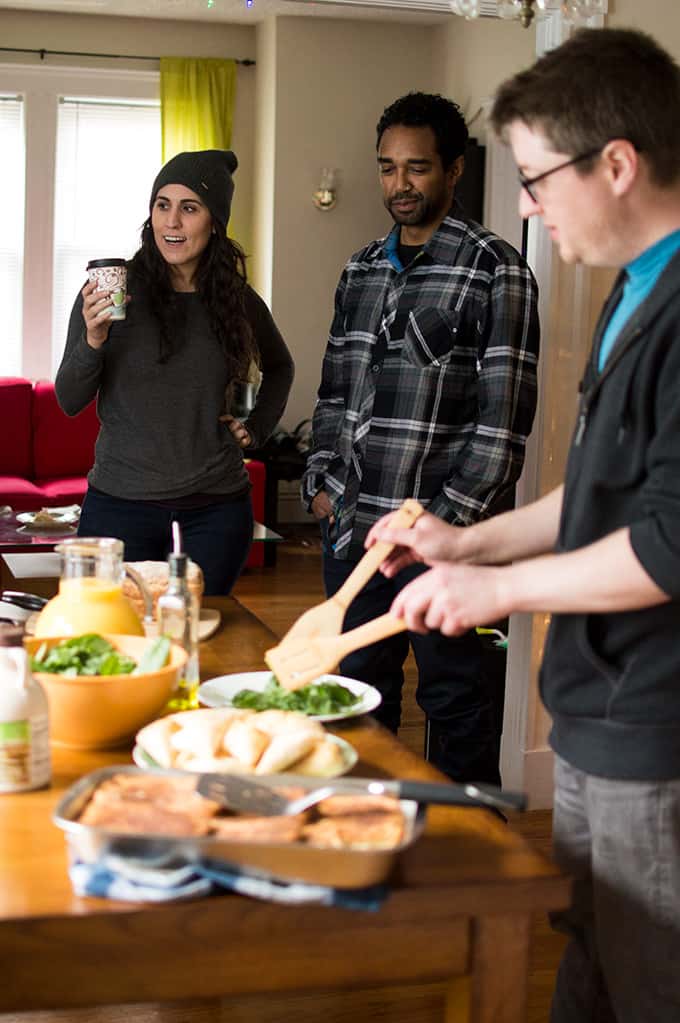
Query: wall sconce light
325	196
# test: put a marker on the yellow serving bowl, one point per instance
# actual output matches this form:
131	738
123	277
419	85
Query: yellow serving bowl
105	711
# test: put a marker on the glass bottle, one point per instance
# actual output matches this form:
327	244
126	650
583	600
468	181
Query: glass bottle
90	597
24	720
178	616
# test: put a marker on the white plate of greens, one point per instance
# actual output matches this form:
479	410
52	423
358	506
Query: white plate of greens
328	698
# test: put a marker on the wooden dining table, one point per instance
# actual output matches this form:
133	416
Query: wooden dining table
450	942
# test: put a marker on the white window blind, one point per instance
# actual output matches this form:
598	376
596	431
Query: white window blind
108	154
13	149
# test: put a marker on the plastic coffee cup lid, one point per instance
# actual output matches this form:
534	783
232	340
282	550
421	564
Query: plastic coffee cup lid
105	262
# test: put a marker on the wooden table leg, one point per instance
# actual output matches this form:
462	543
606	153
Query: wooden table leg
496	990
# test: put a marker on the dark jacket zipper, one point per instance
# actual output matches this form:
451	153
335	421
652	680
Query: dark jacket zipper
587	396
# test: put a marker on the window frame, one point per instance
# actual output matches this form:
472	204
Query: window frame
41	88
13	343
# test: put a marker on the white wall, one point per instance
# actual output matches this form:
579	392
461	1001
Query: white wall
474	57
661	18
333	80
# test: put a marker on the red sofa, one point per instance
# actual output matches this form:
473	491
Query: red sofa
45	455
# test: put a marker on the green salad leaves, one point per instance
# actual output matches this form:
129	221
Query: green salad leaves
83	655
315	698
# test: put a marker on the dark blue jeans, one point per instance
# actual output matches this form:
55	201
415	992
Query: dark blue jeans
217	537
453	690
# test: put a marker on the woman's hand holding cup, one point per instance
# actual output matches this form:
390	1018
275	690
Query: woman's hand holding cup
97	314
104	298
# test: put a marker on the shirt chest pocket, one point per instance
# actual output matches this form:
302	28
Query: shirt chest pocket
431	337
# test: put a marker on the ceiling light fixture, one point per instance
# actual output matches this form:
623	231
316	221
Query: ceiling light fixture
575	12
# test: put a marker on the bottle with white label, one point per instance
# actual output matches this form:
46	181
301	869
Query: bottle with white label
178	615
24	720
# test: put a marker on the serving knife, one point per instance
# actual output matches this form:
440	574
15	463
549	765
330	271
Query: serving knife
241	793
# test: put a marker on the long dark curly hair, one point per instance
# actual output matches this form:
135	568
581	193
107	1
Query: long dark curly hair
221	284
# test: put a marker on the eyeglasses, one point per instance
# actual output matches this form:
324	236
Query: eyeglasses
528	183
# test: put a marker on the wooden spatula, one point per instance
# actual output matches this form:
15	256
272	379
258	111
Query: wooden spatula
326	619
297	661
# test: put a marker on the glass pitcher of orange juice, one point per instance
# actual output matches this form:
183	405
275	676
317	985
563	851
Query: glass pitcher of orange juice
90	597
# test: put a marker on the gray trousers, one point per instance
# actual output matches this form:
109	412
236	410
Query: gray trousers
620	840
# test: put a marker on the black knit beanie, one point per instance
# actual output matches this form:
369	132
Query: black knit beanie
208	173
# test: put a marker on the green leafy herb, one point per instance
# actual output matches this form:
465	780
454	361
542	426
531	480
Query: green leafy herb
315	698
155	656
83	655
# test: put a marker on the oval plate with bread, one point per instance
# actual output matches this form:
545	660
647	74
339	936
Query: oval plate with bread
243	742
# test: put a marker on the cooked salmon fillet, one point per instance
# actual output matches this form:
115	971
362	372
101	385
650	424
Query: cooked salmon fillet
335	805
149	800
169	805
129	817
259	829
358	830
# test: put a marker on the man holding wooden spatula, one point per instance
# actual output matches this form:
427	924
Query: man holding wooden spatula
593	127
428	391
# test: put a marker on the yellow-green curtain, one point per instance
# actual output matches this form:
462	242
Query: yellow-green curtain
197	104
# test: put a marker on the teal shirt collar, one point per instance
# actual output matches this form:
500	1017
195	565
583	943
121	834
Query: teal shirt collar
640	277
650	263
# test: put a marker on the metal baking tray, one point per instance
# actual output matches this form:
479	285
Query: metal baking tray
337	868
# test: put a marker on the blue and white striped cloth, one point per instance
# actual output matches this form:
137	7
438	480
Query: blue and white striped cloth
130	880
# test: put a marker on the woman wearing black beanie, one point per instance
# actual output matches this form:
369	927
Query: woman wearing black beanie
168	447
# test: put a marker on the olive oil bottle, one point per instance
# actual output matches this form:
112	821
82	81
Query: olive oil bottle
178	615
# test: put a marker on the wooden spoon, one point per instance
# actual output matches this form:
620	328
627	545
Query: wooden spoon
326	619
297	661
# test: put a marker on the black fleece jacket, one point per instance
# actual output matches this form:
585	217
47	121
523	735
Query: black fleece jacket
612	681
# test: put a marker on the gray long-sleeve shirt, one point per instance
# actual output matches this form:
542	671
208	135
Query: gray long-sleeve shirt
160	432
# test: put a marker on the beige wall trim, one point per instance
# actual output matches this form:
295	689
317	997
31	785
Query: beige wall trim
538	772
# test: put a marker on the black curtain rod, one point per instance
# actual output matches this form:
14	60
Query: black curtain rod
108	56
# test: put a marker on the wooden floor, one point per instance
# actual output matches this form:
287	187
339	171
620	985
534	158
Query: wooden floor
278	595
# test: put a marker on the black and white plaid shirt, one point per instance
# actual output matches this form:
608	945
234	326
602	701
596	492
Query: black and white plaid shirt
428	387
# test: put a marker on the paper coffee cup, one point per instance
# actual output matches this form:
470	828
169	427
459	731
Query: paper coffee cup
110	275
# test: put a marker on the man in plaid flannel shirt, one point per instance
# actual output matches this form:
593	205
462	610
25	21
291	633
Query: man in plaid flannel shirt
428	390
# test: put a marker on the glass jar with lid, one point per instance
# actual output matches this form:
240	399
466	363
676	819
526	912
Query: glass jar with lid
90	597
